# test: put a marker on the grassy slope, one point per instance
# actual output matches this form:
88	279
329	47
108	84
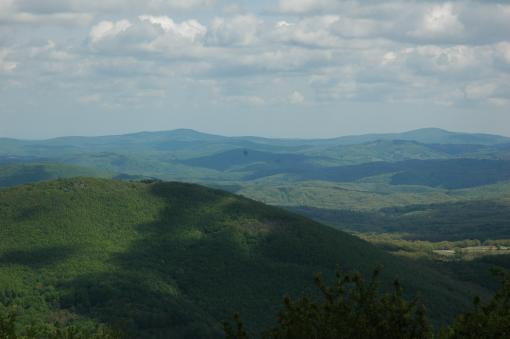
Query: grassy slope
171	259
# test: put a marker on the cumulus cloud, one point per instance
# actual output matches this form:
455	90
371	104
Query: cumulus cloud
190	30
108	29
237	30
315	31
454	53
439	21
148	36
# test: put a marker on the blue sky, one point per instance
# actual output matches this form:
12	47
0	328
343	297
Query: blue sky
287	68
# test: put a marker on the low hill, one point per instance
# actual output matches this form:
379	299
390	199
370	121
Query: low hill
173	260
239	158
449	173
476	219
429	136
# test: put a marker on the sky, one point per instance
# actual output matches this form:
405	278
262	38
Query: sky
282	68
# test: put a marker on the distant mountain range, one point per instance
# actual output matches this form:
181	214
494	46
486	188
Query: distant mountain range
424	135
188	155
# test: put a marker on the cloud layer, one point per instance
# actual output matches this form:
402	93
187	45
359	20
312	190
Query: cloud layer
113	56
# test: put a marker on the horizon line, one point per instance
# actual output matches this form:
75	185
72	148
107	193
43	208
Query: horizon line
249	136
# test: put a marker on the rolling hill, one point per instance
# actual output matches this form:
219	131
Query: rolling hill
187	155
194	141
477	219
430	136
173	260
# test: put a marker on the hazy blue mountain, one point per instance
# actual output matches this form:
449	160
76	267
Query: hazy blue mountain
429	136
188	155
159	139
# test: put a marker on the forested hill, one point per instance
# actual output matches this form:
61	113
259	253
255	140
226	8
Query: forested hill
174	260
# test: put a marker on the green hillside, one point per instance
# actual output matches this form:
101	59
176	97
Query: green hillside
173	260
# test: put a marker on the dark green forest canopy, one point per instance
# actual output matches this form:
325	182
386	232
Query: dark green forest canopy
477	219
354	308
173	259
350	308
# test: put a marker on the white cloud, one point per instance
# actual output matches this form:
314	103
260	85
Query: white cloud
50	51
149	36
442	19
439	21
190	30
314	31
447	53
108	29
389	58
440	61
237	30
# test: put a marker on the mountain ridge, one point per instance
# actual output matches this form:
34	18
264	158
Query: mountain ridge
184	134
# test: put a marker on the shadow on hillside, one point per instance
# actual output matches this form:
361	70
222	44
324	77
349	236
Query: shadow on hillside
210	254
37	258
157	287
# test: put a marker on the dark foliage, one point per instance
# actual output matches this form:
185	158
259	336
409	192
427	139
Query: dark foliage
352	308
488	321
10	328
478	219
